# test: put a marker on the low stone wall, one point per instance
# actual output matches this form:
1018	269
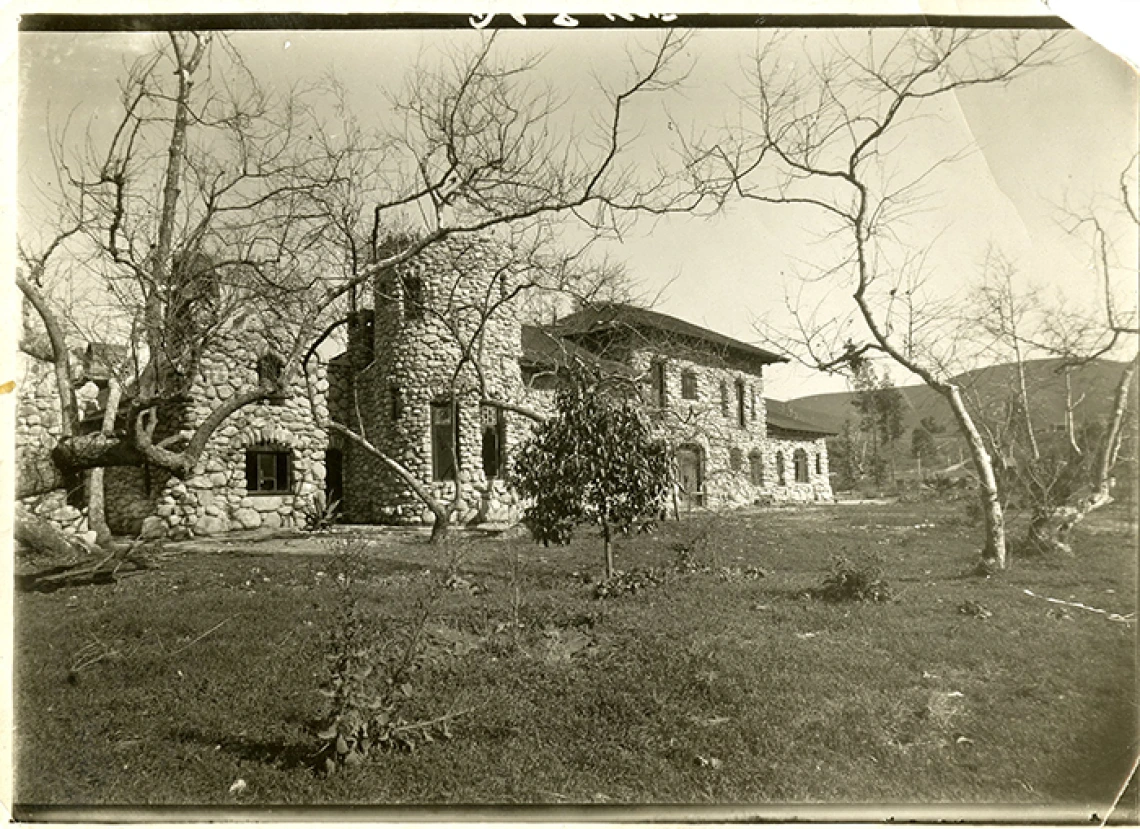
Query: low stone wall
38	422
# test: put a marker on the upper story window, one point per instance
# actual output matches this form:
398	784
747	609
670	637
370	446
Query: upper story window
444	440
781	473
270	374
413	297
657	384
818	463
689	385
800	461
753	405
396	395
741	411
723	399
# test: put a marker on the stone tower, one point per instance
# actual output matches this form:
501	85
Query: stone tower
443	336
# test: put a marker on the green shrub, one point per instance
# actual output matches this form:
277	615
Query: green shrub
854	582
628	582
371	665
317	513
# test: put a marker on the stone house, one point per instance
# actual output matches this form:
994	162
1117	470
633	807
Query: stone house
706	391
437	370
258	468
426	365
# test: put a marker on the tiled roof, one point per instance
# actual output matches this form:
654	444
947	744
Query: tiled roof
780	420
543	349
615	315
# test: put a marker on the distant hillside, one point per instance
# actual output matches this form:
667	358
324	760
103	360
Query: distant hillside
1095	383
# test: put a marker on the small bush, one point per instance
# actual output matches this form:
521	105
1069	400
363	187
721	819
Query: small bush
854	582
318	513
368	686
623	583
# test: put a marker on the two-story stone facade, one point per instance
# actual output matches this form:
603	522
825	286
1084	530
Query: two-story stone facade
706	392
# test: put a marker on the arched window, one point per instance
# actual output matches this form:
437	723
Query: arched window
413	297
781	475
494	427
756	467
735	458
800	459
689	385
690	475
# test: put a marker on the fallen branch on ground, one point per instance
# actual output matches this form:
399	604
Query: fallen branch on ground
1114	617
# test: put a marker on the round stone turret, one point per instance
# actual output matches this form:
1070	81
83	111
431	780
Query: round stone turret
446	339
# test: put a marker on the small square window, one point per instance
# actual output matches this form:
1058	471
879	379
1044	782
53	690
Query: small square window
268	471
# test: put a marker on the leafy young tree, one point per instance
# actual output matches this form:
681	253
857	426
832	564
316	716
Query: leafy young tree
596	461
815	134
923	447
880	406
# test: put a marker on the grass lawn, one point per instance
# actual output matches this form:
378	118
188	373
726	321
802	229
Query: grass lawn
715	687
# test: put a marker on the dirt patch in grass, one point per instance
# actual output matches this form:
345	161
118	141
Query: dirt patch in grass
172	685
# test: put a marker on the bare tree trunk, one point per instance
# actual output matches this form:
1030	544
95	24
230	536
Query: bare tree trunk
1070	412
1051	527
994	549
440	525
45	544
96	507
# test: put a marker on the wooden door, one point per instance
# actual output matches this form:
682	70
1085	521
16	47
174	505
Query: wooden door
690	476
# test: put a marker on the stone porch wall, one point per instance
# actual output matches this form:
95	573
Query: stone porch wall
38	422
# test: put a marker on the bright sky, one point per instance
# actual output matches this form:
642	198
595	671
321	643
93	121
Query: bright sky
1059	136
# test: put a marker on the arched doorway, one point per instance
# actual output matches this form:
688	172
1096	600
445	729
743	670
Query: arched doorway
690	476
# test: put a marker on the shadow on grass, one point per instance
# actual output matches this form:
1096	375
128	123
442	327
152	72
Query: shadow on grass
280	754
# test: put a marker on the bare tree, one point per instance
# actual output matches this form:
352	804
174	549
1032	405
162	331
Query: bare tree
212	195
821	133
1062	481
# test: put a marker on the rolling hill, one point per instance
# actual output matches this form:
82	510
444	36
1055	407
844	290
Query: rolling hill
1094	385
